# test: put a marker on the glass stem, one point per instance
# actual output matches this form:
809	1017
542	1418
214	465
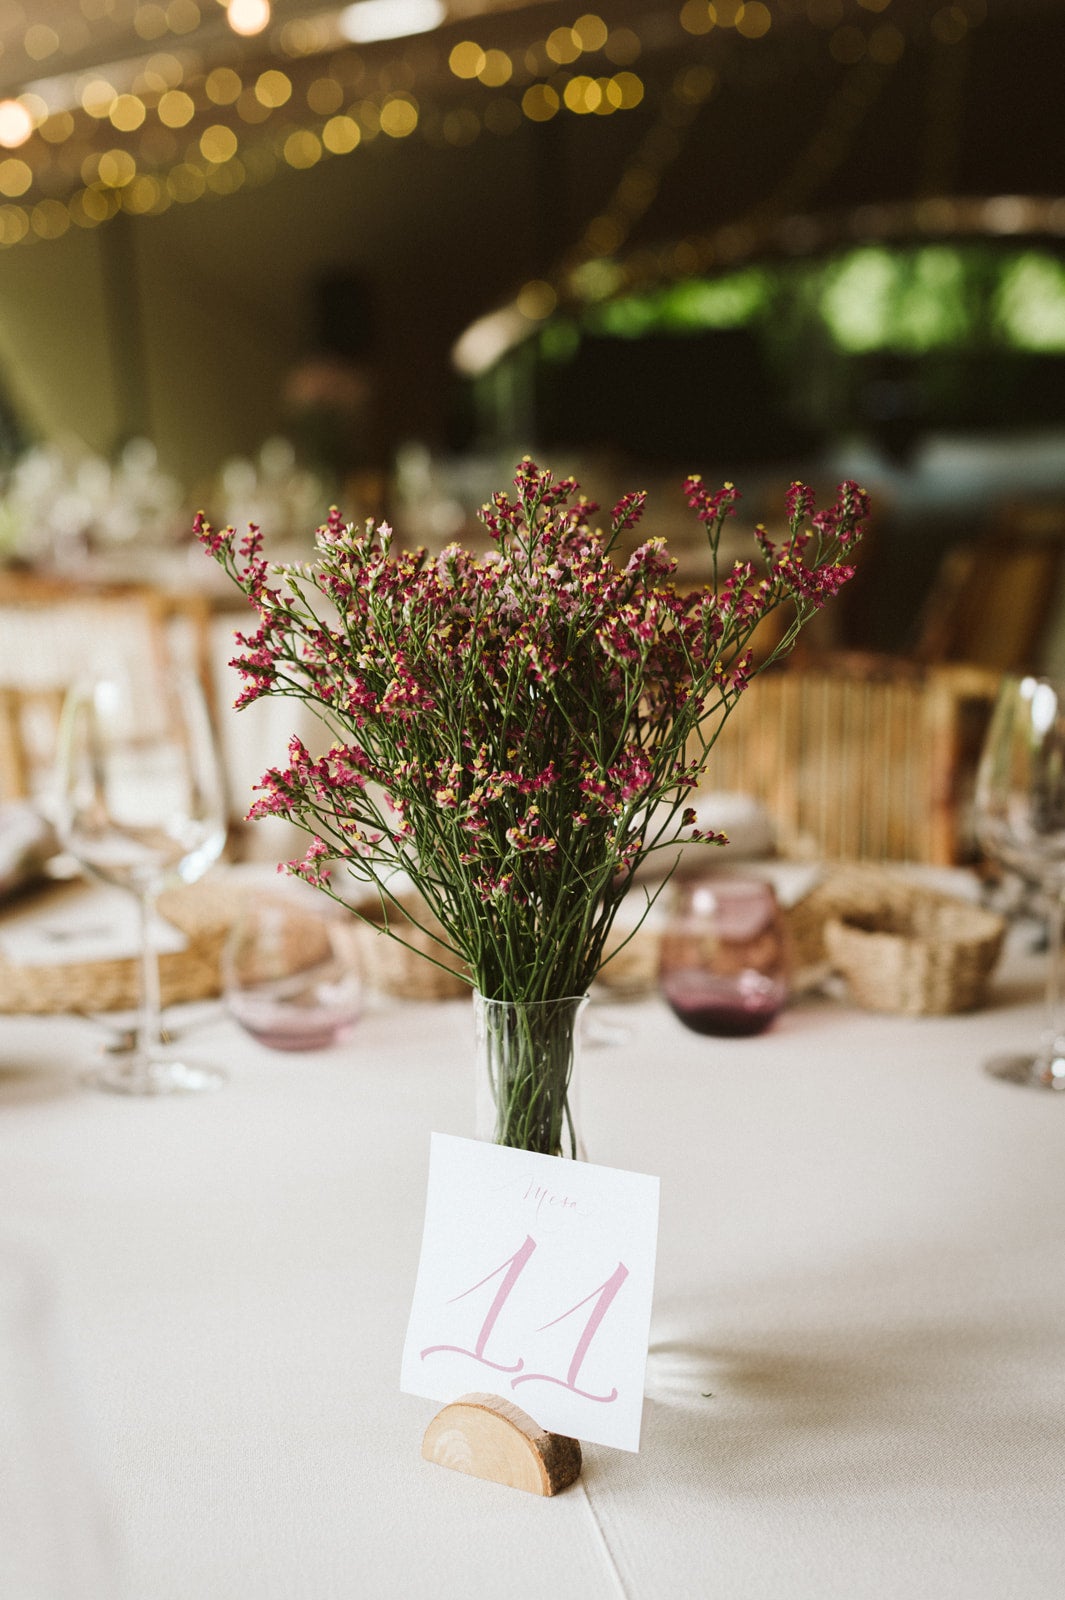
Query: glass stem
148	1019
1052	1061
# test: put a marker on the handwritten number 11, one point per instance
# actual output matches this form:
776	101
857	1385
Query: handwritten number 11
512	1268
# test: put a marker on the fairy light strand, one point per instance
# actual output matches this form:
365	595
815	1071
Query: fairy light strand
171	128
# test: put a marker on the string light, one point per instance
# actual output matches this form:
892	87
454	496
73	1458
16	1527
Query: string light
158	104
580	68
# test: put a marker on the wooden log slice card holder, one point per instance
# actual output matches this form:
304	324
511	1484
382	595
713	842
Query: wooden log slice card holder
489	1437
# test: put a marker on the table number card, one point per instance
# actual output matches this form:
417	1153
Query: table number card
535	1283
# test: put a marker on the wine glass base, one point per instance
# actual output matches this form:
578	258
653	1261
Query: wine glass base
1029	1071
154	1077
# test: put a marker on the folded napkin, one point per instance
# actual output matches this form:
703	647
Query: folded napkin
80	923
745	822
27	842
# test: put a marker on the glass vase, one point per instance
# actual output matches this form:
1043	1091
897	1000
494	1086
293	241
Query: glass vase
526	1061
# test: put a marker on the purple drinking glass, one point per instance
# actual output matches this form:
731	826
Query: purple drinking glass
289	974
723	962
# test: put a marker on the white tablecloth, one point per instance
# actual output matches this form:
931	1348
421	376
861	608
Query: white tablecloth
856	1386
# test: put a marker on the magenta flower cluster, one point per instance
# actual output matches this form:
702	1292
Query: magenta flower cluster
516	732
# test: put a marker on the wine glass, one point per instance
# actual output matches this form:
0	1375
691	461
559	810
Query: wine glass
141	803
1019	817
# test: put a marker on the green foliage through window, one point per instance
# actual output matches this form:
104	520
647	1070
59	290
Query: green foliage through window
908	300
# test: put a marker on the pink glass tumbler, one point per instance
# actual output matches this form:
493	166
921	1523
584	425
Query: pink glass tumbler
723	964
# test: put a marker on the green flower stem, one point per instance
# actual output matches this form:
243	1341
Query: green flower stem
516	732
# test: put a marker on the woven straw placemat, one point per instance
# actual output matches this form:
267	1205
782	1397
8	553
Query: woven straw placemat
203	912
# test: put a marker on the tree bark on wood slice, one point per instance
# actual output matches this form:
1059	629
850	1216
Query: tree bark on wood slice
489	1437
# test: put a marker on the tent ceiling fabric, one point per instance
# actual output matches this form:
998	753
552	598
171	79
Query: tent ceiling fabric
664	121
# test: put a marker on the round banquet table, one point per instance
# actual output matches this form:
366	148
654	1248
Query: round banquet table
855	1386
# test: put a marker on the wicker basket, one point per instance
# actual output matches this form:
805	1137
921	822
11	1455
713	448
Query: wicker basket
929	957
402	970
203	912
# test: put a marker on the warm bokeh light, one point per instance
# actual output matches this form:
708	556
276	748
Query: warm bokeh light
117	168
466	59
175	108
223	86
306	36
630	89
218	143
185	183
149	22
250	108
16	124
91	207
183	16
563	46
623	47
15	177
58	127
40	42
754	20
181	118
582	94
168	67
273	88
141	196
49	219
302	150
536	299
228	178
368	21
127	113
590	32
369	118
539	102
949	24
695	84
399	116
14	224
341	135
97	97
695	17
497	69
325	96
247	17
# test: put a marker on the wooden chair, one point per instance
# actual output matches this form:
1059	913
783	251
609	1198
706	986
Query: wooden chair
29	719
51	634
993	600
860	758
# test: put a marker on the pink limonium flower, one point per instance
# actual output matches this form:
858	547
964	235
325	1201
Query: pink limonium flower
517	732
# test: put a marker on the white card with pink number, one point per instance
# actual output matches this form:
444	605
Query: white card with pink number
535	1283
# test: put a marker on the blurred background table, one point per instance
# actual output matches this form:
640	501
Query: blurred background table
855	1386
